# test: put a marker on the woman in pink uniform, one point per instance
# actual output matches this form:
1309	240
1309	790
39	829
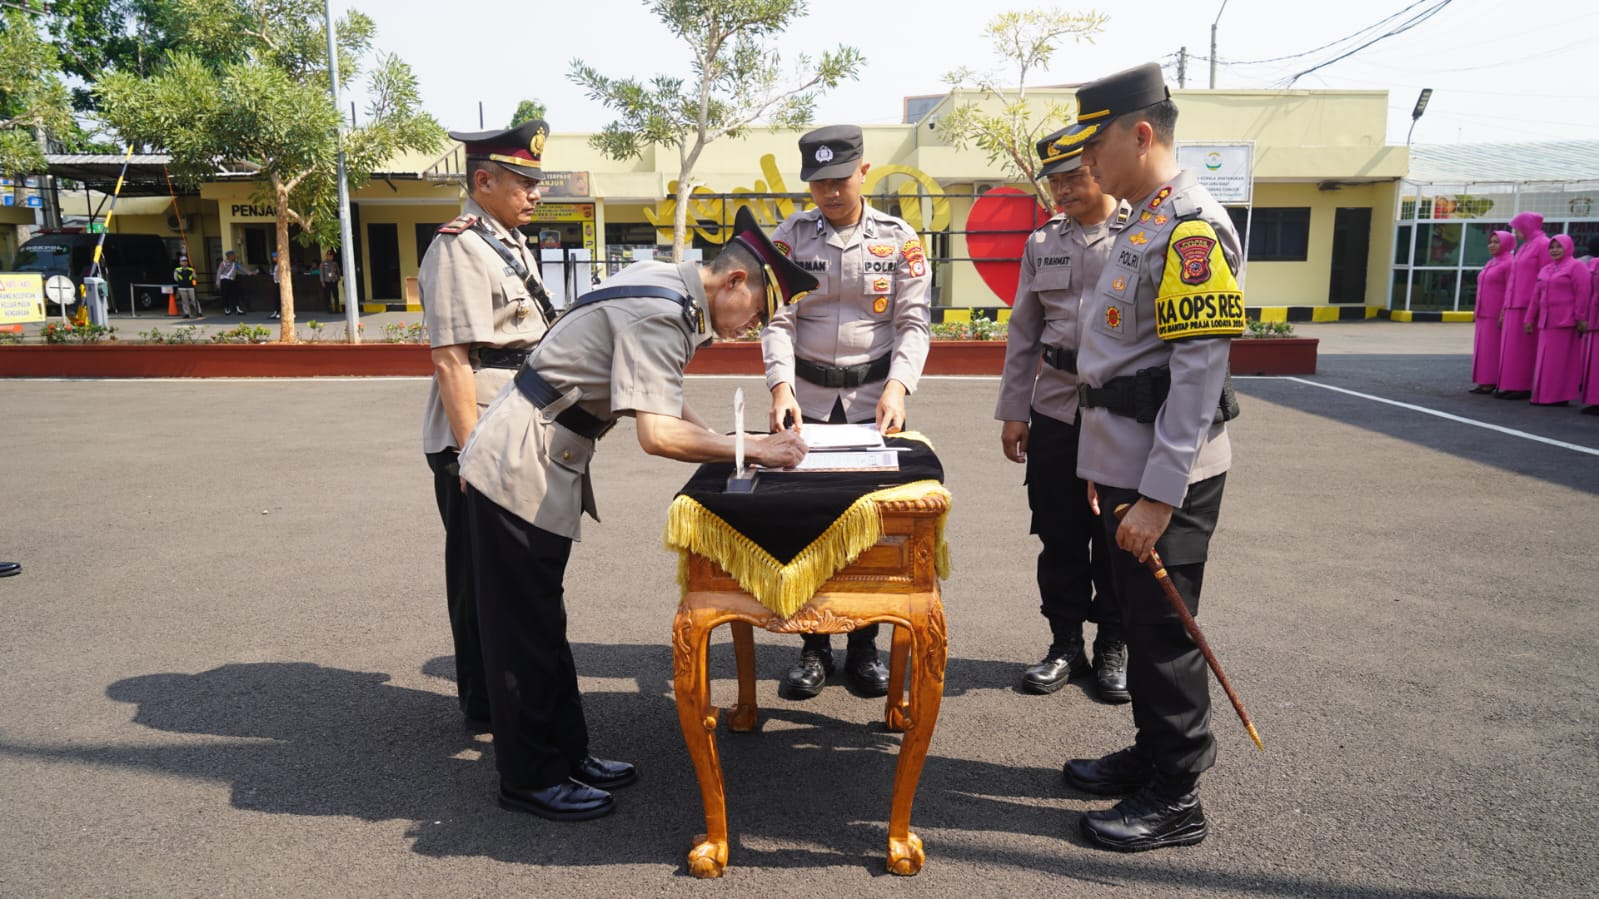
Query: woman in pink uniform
1518	348
1589	322
1565	287
1492	283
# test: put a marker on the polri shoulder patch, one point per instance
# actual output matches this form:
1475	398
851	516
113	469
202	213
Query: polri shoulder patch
1199	296
459	224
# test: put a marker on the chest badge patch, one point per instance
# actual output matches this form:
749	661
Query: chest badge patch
783	248
881	285
1161	219
880	305
1144	217
1138	238
915	257
1160	197
1113	318
1195	254
1119	285
880	249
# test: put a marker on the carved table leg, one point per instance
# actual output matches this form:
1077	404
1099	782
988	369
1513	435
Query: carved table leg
691	684
742	717
897	711
930	644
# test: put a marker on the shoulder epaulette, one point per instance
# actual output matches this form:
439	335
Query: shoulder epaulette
459	224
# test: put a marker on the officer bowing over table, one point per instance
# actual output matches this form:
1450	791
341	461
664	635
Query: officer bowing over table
854	349
1152	375
484	307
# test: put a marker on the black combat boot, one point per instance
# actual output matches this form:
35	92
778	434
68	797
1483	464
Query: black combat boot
1110	669
1067	658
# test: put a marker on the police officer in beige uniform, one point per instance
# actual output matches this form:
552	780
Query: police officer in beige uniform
1038	405
481	303
854	349
1152	374
620	350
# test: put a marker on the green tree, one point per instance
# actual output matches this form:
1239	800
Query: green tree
32	96
527	111
737	80
91	36
250	92
1007	127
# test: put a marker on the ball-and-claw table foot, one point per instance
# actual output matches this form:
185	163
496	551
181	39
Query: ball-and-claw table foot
709	859
897	720
741	719
905	856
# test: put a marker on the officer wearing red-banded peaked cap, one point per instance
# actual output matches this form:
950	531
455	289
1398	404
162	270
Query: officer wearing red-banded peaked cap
519	149
785	282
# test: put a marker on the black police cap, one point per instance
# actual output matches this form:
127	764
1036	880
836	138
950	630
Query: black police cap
1102	101
520	149
831	152
1060	152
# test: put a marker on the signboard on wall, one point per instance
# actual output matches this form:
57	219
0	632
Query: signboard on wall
563	212
564	184
1226	170
21	299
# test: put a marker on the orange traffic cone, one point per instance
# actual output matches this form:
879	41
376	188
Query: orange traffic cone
172	303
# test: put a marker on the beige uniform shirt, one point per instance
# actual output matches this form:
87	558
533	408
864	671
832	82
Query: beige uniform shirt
470	296
871	300
612	358
1061	262
1170	270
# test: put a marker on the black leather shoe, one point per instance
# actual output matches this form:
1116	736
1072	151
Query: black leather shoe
569	801
1147	820
604	774
7	569
1482	388
1110	671
809	677
1123	771
866	673
1512	394
1061	664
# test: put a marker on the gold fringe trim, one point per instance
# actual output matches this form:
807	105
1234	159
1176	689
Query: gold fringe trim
784	589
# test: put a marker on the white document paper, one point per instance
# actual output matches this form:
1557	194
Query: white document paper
843	460
827	438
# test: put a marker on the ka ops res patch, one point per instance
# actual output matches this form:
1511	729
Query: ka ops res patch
1199	297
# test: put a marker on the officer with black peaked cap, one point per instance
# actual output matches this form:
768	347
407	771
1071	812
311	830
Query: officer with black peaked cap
1152	386
616	351
481	296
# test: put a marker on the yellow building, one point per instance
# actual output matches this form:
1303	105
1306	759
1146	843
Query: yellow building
1324	191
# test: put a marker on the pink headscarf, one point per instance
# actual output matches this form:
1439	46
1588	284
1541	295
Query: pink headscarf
1567	244
1527	223
1507	243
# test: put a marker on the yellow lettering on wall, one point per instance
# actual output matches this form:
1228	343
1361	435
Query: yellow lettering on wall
922	202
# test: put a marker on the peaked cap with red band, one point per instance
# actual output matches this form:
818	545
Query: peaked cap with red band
519	149
785	282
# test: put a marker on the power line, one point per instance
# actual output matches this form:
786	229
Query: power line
1415	20
1345	38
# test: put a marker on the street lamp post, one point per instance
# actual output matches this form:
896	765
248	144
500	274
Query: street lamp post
352	318
1415	114
1213	43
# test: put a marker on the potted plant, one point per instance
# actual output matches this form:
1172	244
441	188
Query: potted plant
1270	348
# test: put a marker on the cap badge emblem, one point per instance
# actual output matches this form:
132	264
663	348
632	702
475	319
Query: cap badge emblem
536	145
824	153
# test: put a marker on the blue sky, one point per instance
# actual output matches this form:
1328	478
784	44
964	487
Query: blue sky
1510	78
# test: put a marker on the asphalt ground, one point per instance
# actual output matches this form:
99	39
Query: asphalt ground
226	662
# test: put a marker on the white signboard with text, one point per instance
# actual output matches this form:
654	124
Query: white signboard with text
1226	170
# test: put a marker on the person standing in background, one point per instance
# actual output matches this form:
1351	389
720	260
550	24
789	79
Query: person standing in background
1518	347
184	277
1492	283
1561	298
330	280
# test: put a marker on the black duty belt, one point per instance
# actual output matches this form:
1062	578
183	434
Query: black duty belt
501	357
1061	358
843	375
575	419
1140	395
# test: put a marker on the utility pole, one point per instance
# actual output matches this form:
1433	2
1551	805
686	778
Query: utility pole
1182	67
1213	43
352	318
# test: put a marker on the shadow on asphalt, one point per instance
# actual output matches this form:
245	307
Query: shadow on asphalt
1431	383
298	738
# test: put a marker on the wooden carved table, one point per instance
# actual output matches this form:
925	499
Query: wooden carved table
894	581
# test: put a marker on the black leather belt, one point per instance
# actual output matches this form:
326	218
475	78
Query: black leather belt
577	420
843	375
1061	358
501	357
1140	395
